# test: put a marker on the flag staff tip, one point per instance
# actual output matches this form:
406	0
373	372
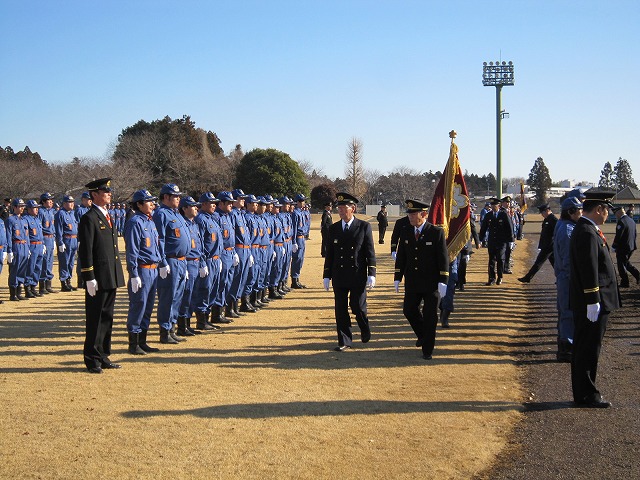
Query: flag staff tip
452	135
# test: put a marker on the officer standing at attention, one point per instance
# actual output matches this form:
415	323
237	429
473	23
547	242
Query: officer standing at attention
3	246
175	243
46	214
102	275
300	232
5	209
505	206
84	207
143	255
624	244
17	231
423	261
285	219
383	223
253	227
350	265
280	254
545	245
66	225
497	225
594	295
37	249
229	256
325	223
243	250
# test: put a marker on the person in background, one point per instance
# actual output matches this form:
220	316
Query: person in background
17	232
37	249
545	245
498	229
325	223
66	225
46	214
624	244
383	223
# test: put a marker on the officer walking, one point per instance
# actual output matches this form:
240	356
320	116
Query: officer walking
499	230
46	214
545	245
383	223
17	232
66	225
624	244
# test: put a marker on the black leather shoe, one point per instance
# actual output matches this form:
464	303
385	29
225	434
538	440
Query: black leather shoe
508	272
94	370
419	342
427	357
342	348
490	282
366	336
108	365
524	280
499	281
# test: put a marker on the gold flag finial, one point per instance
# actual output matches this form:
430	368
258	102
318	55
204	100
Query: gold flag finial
452	135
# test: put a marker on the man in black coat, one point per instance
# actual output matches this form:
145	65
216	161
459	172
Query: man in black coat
350	265
423	261
593	296
545	245
325	223
383	223
395	235
497	224
624	244
102	274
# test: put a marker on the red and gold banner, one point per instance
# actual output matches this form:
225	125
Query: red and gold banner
450	208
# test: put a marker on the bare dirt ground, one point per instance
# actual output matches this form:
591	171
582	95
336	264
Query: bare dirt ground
270	399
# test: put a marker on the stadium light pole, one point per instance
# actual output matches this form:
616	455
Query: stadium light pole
498	74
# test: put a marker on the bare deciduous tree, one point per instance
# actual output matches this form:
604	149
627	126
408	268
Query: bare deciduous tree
354	169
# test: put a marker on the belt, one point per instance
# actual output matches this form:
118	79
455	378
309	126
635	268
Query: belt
228	249
216	257
279	244
49	235
193	259
241	245
300	236
177	258
255	245
287	239
149	265
20	241
70	236
36	243
264	247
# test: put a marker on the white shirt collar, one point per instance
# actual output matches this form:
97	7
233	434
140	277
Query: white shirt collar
347	223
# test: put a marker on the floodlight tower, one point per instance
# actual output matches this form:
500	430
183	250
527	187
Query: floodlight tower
498	74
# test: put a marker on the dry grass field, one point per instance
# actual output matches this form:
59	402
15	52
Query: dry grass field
269	398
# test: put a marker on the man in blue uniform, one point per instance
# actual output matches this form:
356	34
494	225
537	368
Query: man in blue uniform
253	228
3	246
46	214
175	243
243	250
300	232
624	244
143	255
66	225
84	207
37	249
278	247
229	257
17	232
287	234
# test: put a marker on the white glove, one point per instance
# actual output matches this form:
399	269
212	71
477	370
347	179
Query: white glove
251	261
164	271
593	310
29	256
61	248
186	275
92	287
371	282
203	271
44	249
295	248
467	258
10	258
236	259
442	289
136	284
325	283
284	252
274	256
396	286
512	245
393	255
219	263
4	257
539	250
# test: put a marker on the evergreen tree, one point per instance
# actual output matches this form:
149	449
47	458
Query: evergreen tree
539	180
270	171
622	176
606	177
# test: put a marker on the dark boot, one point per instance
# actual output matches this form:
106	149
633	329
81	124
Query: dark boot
444	318
48	287
295	283
246	305
284	286
182	328
253	298
71	287
134	344
264	296
187	327
280	289
229	313
64	286
34	291
202	322
564	352
165	337
27	291
13	295
42	289
217	316
236	308
273	295
142	341
176	337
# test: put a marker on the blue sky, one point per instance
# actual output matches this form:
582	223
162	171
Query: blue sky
306	76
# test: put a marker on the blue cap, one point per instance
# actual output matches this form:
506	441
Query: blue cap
170	189
225	197
276	203
300	197
142	196
571	202
32	204
188	202
252	199
46	196
238	193
261	200
17	202
268	198
208	197
68	199
284	200
85	195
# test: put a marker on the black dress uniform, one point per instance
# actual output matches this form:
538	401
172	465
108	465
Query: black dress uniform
100	261
423	262
592	280
624	244
350	259
545	245
395	235
325	223
500	229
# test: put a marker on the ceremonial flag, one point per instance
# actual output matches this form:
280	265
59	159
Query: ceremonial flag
523	200
450	208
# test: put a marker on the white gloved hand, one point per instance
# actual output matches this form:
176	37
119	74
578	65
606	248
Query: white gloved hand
274	256
442	289
284	252
164	271
593	310
136	284
92	287
295	248
186	275
61	248
396	286
467	258
251	261
4	257
539	250
44	249
393	255
371	282
325	283
236	259
10	260
512	245
219	264
203	271
29	256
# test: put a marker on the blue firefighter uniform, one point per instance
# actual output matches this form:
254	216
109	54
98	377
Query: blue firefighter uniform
66	226
17	232
36	248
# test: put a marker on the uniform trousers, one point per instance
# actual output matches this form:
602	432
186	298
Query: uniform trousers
142	302
297	259
422	322
253	273
170	292
277	266
66	259
34	265
226	277
287	260
624	266
99	313
268	265
446	303
587	343
46	272
497	252
204	288
381	231
185	309
542	257
240	273
262	272
18	268
565	314
356	299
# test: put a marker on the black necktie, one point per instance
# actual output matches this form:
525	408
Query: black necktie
346	227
